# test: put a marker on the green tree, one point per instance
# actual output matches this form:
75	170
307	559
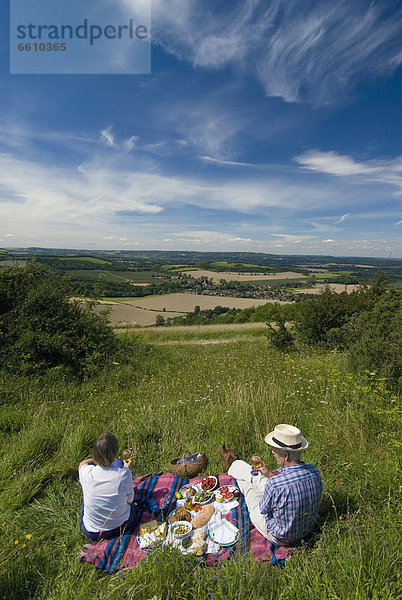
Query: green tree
280	336
159	320
41	327
316	319
374	337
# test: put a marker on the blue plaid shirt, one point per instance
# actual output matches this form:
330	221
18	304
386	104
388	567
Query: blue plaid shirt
290	502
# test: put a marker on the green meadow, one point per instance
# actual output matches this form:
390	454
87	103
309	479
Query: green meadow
329	274
87	259
117	276
169	398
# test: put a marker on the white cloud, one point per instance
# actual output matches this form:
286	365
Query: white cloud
211	124
131	142
341	220
332	163
108	135
227	163
319	52
208	236
315	52
118	197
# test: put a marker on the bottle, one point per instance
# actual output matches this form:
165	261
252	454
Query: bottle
256	463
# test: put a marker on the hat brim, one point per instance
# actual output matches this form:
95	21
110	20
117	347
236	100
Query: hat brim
270	442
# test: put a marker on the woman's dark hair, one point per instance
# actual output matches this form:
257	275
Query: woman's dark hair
106	449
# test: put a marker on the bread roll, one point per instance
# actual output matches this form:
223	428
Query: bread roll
180	514
203	516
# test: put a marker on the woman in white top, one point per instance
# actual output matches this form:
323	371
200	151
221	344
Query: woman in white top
107	506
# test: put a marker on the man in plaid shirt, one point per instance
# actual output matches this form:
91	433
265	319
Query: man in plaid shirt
283	505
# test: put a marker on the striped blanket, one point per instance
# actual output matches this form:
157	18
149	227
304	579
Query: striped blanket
123	552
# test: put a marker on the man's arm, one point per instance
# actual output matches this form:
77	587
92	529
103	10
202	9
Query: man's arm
266	500
265	471
88	461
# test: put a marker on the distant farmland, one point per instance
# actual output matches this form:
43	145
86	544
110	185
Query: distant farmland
336	287
134	277
143	311
216	276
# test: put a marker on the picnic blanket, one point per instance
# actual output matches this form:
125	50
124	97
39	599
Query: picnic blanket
123	552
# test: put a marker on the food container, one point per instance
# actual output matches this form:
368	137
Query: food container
203	498
218	497
181	529
172	517
208	483
188	491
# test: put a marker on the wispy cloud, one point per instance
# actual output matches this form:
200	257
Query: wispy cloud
333	163
228	163
341	220
207	236
315	52
108	135
318	52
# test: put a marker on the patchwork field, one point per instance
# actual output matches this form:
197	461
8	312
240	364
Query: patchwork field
216	276
134	277
336	287
143	311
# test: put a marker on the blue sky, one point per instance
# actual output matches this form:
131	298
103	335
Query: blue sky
265	126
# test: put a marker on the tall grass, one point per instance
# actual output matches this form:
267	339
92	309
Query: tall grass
186	397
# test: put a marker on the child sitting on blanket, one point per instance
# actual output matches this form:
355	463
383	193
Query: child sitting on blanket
108	508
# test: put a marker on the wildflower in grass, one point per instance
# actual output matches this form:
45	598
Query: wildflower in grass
16	542
116	363
28	536
4	523
23	545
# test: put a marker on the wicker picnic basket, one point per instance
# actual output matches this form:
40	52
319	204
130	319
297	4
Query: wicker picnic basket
188	469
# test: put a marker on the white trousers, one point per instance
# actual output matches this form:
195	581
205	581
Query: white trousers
252	487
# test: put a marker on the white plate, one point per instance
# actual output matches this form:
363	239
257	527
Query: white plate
231	488
223	533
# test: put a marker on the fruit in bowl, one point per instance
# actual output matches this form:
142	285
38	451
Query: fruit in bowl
209	483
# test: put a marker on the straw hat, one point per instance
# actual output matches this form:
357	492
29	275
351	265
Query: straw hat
286	437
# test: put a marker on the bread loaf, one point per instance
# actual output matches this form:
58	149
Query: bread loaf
203	516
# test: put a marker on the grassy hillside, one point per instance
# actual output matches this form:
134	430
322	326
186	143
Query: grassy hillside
173	398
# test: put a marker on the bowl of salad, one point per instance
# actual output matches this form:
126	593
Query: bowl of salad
181	529
202	497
